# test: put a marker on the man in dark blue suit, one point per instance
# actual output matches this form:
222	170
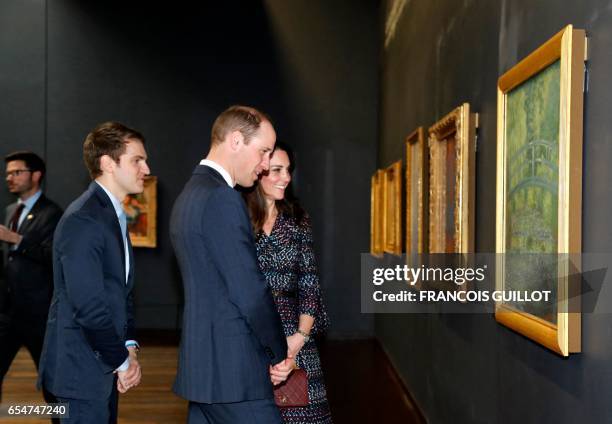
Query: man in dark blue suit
90	353
233	347
27	238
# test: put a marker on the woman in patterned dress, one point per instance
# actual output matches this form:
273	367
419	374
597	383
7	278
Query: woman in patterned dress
283	237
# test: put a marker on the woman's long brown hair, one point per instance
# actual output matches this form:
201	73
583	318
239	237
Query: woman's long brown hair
256	201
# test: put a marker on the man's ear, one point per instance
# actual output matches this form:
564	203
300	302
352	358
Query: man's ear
107	164
236	140
36	176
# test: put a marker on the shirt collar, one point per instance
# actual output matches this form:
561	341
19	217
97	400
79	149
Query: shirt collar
29	202
214	165
116	202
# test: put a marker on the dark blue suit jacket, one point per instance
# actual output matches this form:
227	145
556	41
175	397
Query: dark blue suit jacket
231	329
91	311
29	269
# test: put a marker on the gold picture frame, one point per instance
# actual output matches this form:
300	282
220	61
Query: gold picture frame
417	193
141	211
539	185
392	208
452	182
376	213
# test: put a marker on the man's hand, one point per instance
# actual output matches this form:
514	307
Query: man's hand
280	371
130	377
9	236
120	387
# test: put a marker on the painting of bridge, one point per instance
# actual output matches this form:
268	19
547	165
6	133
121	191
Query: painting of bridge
532	186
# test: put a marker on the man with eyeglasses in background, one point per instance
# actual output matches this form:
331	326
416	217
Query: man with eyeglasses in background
27	240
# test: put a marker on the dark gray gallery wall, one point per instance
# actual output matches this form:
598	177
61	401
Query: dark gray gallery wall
22	80
168	70
464	368
328	53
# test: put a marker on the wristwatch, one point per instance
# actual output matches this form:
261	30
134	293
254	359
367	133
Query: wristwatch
304	334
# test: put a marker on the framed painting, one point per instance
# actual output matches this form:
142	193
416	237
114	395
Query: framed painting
376	213
392	208
539	189
452	182
417	192
141	212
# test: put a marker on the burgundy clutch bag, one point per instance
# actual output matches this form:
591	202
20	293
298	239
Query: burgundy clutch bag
293	392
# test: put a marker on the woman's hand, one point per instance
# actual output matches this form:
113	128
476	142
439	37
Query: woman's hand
280	372
294	344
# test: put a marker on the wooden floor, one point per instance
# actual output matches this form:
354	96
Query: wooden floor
152	402
362	387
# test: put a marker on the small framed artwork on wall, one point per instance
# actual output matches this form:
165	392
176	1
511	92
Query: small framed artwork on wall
141	212
376	213
452	182
392	210
417	193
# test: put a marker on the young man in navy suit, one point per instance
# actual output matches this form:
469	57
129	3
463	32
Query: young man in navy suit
233	348
90	353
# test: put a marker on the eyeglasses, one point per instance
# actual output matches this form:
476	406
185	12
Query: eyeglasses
17	172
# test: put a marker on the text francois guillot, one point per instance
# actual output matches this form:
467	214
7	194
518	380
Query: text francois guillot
459	276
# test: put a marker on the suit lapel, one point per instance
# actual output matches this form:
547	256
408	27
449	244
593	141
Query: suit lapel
121	243
112	218
10	209
31	216
130	281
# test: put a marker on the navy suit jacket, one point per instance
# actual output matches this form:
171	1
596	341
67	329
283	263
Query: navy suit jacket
90	317
29	271
231	329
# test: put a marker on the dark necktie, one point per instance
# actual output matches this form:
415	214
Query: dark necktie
14	222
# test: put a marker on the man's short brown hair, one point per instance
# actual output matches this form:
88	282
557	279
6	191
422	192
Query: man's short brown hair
32	161
245	119
109	138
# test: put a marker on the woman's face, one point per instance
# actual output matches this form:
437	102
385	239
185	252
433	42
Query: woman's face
275	181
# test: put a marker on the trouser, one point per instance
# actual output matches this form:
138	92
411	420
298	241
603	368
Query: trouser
262	411
16	332
99	411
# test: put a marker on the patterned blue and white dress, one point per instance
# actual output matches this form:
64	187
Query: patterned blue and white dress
287	260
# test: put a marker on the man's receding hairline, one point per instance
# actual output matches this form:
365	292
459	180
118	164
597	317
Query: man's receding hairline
128	140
